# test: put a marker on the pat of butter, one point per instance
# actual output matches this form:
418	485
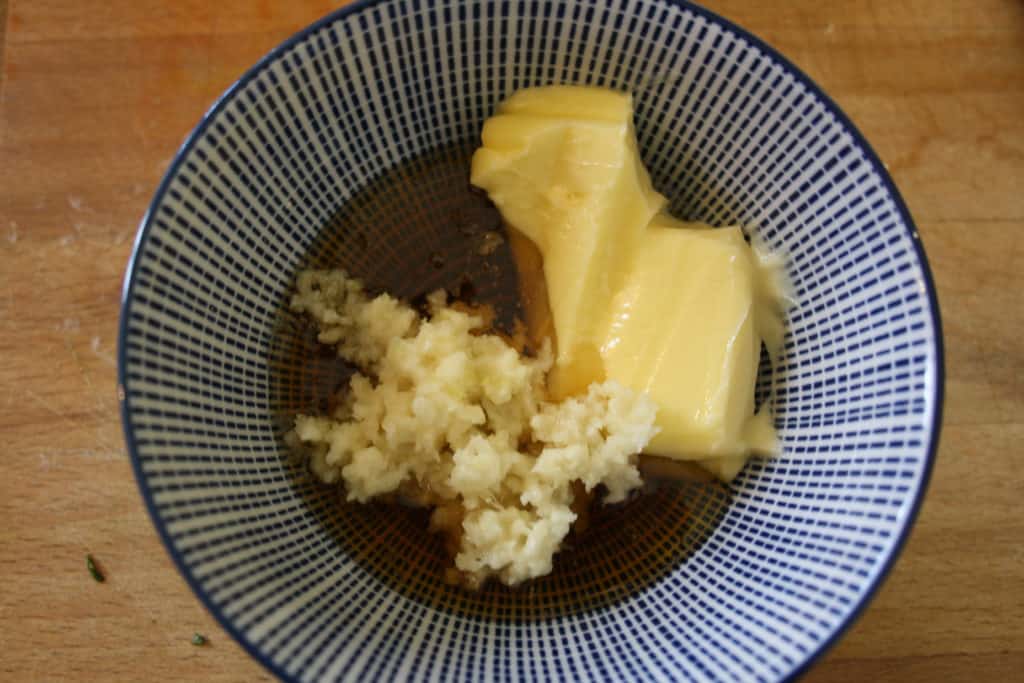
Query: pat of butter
562	165
659	305
683	328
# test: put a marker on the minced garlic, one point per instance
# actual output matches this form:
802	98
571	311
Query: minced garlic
447	416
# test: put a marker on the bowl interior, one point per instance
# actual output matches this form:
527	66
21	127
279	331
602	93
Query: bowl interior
342	148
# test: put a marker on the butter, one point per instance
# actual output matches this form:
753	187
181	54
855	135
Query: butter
670	308
683	328
563	167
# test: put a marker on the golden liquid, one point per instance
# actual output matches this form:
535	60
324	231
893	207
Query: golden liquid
418	228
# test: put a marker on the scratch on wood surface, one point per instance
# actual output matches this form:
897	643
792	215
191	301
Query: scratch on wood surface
69	325
41	402
51	458
97	350
100	410
83	372
140	132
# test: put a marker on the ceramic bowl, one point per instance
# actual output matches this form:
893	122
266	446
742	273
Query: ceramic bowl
337	148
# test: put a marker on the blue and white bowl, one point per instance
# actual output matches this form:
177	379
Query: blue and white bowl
694	584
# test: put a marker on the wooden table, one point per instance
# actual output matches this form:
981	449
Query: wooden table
95	98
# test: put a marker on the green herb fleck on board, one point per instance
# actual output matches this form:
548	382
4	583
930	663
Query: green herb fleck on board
198	639
97	575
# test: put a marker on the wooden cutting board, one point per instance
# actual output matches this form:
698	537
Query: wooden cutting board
96	96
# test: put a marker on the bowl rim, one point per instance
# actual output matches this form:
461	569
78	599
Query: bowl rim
871	157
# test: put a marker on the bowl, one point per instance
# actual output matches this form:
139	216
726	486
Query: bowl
340	147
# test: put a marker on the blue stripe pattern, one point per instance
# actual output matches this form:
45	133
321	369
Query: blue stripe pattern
732	134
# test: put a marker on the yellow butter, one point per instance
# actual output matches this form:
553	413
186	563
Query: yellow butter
683	329
659	305
577	188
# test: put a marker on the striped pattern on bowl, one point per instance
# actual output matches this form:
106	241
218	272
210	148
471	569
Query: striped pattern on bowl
695	585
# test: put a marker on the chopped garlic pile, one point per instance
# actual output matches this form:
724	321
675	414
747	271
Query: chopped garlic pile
456	419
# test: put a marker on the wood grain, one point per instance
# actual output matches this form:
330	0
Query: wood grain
96	96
